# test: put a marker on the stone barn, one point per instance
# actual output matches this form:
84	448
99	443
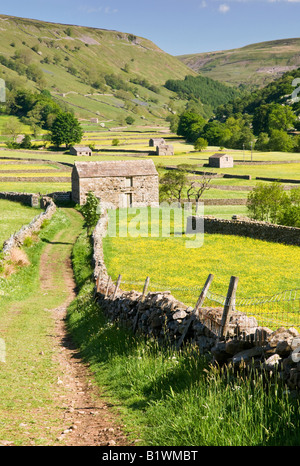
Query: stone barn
165	149
220	161
153	142
80	150
117	183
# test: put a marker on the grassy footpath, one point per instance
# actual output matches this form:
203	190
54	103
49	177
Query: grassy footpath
168	398
30	412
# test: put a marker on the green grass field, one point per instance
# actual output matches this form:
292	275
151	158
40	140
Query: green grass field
13	216
263	268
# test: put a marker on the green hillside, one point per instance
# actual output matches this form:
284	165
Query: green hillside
97	72
255	65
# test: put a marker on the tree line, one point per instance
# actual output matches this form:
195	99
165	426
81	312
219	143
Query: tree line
40	111
266	119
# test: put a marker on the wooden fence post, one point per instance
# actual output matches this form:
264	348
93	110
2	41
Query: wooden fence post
203	294
141	301
107	287
229	306
195	312
117	287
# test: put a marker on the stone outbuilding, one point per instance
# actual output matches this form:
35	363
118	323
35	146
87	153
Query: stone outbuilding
153	142
81	150
221	161
165	149
117	183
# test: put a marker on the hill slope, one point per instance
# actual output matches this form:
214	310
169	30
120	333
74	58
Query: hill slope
255	65
77	63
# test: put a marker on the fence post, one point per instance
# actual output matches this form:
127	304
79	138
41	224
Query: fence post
203	294
107	287
195	312
117	287
229	305
141	300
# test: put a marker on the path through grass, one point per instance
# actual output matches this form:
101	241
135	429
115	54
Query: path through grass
31	407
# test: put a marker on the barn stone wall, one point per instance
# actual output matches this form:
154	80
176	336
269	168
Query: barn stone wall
111	190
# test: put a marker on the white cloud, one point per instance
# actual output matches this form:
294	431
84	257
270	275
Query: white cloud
90	9
224	8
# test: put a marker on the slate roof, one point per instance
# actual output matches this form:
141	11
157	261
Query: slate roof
81	148
217	156
115	168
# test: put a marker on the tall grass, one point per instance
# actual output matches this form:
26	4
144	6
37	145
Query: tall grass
176	398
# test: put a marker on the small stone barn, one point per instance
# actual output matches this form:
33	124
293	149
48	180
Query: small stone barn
80	150
153	142
220	161
117	183
165	149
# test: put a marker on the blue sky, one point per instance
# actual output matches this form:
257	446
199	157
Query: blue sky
177	26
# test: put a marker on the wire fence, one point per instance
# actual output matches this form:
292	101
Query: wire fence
217	310
279	310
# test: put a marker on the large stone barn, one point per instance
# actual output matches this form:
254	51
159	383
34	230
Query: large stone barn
220	161
117	183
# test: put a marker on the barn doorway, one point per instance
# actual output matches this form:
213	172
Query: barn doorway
128	199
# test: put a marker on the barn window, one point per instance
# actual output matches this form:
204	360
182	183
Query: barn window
128	182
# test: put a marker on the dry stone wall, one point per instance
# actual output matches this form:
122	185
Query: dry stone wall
251	229
24	198
160	315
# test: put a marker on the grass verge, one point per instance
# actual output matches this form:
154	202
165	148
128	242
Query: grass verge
169	398
30	412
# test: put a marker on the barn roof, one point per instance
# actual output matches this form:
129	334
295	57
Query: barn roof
115	168
80	148
217	156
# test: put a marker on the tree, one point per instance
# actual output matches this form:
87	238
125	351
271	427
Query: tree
200	144
216	133
173	184
273	116
129	120
90	211
266	201
262	142
66	130
196	189
280	141
12	127
190	126
26	143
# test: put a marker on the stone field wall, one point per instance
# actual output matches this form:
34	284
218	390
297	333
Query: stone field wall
162	316
251	229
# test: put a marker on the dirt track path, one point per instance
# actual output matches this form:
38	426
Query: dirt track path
87	419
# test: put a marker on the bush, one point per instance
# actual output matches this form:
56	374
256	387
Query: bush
129	120
200	144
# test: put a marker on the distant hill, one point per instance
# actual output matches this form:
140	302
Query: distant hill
97	72
254	65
